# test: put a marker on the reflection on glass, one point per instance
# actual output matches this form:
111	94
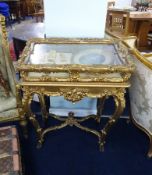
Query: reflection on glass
60	54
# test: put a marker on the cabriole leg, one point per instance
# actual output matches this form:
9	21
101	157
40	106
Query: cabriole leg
100	105
120	105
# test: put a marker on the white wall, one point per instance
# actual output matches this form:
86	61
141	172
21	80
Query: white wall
123	3
75	18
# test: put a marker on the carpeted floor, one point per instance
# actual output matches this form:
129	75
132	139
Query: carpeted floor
71	152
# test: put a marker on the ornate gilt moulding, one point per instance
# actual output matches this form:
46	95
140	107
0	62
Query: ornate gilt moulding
74	69
75	60
3	28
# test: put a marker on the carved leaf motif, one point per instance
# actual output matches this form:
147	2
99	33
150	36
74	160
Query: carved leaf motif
74	95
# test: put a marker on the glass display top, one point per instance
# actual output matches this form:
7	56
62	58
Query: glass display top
62	54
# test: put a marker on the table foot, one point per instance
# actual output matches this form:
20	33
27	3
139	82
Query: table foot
36	125
98	119
101	146
120	105
39	144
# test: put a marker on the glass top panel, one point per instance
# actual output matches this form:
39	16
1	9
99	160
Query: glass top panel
84	54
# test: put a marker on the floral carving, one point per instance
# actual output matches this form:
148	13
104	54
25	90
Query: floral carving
74	95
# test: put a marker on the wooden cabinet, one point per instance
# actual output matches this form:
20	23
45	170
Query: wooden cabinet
14	6
21	8
33	6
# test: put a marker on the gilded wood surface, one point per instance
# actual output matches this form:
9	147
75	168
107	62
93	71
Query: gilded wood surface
75	71
73	94
74	88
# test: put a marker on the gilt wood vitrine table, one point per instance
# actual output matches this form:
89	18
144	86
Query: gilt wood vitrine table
74	68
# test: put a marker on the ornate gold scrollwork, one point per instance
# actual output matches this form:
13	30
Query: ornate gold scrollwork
73	95
100	73
74	76
79	81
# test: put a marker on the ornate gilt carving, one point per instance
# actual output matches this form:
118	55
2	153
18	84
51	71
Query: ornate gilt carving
73	95
74	76
3	29
99	82
100	73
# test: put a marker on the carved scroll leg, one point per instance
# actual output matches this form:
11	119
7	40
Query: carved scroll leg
21	103
38	129
101	143
43	107
120	105
33	120
150	148
21	110
50	129
100	105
